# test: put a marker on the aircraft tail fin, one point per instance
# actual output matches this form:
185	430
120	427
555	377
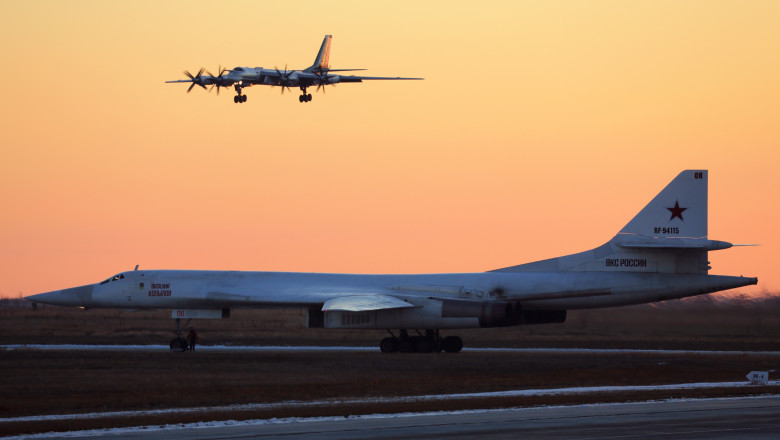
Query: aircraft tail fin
669	235
679	210
322	62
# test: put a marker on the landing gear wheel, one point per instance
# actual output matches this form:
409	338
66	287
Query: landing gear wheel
308	97
235	99
388	345
452	344
243	98
405	346
300	98
178	345
422	344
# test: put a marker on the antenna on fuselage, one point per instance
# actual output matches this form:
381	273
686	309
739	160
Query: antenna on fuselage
136	267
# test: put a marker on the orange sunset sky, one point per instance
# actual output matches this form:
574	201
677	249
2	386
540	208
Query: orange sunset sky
541	128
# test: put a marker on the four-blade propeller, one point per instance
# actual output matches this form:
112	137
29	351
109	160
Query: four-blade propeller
324	80
196	80
219	80
284	78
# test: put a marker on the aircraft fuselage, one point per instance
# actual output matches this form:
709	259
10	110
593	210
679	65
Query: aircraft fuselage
230	289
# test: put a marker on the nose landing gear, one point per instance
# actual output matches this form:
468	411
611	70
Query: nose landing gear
179	344
239	98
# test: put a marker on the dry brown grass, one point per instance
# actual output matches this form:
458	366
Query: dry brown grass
698	323
60	382
56	382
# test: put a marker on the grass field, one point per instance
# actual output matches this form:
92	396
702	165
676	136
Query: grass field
64	382
37	382
702	323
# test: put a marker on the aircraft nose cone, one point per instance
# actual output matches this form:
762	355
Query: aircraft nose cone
75	296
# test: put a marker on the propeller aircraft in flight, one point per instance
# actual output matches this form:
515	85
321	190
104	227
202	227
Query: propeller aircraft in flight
661	254
318	74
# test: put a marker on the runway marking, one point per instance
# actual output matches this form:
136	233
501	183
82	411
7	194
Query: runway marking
260	422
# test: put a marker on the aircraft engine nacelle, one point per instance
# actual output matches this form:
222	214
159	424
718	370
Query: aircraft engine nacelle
528	317
501	314
489	313
427	314
436	314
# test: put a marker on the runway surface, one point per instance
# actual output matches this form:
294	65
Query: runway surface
305	348
729	418
400	399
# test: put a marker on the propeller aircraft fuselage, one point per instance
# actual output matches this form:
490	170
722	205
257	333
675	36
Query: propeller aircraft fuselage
318	74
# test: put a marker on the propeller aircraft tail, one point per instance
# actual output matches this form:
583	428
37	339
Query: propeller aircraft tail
322	62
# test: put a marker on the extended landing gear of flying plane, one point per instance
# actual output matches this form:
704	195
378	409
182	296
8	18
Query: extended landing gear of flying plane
178	343
428	343
239	98
305	97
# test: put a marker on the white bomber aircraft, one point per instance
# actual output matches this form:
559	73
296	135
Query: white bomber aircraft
660	254
318	74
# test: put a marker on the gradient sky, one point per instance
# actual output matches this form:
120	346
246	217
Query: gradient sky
541	129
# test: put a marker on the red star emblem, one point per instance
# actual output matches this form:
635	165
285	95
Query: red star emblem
676	211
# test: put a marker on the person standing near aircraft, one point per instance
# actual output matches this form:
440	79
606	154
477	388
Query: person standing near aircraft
192	339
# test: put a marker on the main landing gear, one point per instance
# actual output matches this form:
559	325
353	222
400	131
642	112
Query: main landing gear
304	97
430	342
239	98
178	343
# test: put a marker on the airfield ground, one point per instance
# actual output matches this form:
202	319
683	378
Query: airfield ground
38	382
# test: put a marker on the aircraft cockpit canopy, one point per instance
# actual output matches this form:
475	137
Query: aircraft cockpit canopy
113	278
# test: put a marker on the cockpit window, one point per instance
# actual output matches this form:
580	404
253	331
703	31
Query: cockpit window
239	69
119	276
